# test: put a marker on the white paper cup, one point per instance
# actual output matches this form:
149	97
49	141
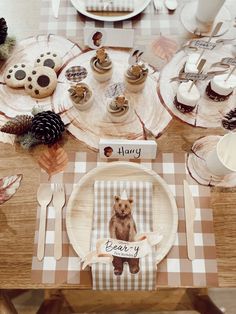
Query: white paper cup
222	160
207	10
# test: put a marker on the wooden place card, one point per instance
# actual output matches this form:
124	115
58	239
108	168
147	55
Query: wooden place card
127	149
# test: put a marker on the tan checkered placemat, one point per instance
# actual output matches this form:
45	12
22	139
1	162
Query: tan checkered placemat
71	24
176	269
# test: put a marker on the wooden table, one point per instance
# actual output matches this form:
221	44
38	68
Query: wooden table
18	215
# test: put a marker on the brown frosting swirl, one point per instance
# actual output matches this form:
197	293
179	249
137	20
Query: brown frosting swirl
136	74
101	62
119	106
80	93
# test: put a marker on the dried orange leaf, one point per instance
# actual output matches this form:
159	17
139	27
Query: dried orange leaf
8	187
164	48
53	160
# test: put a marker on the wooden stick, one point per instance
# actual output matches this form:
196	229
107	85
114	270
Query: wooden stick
200	67
230	73
214	32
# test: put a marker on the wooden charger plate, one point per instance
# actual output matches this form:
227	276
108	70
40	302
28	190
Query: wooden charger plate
79	214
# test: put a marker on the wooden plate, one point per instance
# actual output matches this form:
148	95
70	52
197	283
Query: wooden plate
79	214
207	114
139	6
16	101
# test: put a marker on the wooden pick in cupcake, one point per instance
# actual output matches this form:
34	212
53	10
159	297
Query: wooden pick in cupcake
200	67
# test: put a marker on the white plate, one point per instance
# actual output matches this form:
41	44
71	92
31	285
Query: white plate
139	6
79	214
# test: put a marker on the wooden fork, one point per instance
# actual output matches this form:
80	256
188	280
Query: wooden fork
58	202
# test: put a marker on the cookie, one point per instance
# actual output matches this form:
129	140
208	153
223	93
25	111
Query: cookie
16	75
41	82
49	59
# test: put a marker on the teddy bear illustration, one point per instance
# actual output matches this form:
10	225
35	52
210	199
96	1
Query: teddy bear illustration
122	227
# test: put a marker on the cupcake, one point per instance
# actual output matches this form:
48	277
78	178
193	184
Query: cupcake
192	63
118	109
220	88
101	65
135	77
81	95
185	100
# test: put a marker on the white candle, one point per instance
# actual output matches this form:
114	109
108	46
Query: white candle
222	160
207	10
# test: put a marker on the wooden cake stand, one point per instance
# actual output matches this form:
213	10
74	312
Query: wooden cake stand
207	114
196	164
148	113
16	101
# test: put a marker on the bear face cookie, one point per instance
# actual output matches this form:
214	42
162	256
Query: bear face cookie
16	75
49	59
41	82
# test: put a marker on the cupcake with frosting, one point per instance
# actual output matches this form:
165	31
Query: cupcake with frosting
81	95
221	87
135	77
101	66
118	109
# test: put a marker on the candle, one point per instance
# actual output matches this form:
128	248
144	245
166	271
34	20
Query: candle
207	10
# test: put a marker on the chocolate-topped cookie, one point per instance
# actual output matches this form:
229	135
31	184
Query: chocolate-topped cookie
49	59
15	76
41	82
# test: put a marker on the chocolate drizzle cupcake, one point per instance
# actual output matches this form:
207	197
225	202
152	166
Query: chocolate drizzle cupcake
186	100
135	77
101	65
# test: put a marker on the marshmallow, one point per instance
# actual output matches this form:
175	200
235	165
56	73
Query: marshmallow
188	98
222	87
192	63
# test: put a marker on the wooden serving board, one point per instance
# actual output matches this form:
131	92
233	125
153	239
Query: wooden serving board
207	114
16	101
79	214
196	164
148	113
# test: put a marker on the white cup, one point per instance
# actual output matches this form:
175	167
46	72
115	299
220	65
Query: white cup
222	160
207	10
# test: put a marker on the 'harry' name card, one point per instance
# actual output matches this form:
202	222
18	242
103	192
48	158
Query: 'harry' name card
127	149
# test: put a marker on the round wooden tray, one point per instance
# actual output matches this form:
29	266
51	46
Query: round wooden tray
79	214
16	101
149	115
196	164
207	114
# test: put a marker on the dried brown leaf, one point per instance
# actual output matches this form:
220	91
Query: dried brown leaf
8	186
53	160
164	47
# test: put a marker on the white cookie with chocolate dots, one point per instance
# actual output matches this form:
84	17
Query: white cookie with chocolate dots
16	75
49	59
41	82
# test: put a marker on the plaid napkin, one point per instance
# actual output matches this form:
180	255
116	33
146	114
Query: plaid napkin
103	274
110	5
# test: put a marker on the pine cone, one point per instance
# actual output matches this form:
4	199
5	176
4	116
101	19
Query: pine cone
18	125
47	127
3	30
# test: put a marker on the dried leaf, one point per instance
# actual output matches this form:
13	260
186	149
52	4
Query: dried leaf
8	187
53	160
164	48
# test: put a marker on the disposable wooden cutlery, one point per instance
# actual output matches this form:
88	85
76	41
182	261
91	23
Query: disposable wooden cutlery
189	218
44	196
58	202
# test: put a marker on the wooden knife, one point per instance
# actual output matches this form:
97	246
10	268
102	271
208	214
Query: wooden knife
189	207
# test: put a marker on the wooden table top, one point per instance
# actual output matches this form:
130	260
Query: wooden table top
18	215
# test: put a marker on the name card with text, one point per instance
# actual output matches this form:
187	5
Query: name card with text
127	149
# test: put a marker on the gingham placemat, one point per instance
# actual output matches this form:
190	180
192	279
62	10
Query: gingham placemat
103	274
71	24
176	269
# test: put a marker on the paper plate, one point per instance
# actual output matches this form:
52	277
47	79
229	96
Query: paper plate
79	215
139	6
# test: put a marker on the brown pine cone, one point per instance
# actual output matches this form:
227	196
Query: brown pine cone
18	125
3	30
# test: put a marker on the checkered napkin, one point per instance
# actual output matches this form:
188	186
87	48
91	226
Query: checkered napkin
71	24
103	274
110	5
175	269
